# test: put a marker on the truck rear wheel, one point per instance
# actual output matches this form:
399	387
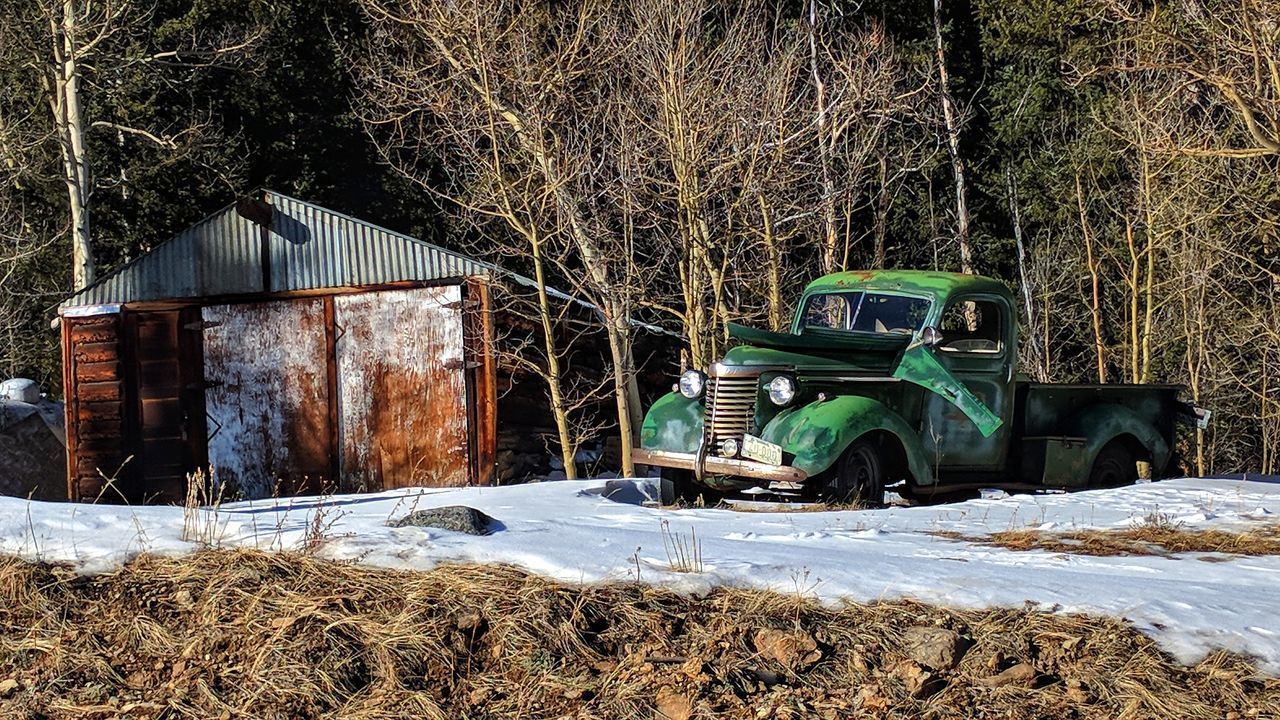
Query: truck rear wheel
858	478
1115	466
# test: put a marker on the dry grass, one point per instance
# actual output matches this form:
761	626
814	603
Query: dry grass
1154	536
200	521
261	635
684	554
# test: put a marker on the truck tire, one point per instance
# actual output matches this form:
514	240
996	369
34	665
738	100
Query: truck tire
678	486
858	478
1115	466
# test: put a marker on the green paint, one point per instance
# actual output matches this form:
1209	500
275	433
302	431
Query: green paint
1103	422
919	366
937	285
674	423
818	433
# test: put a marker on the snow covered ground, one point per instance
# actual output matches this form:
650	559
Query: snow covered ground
597	530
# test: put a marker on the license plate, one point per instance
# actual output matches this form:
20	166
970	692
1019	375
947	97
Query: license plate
759	450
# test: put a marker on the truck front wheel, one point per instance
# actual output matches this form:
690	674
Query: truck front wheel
678	486
1115	466
858	478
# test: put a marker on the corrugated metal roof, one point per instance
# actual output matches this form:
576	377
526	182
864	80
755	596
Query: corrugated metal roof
309	247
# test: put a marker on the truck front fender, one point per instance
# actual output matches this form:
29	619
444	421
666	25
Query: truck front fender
817	434
674	424
1100	424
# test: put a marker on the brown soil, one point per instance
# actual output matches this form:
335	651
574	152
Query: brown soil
255	635
1148	538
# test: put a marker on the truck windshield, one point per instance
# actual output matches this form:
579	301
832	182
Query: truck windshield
865	312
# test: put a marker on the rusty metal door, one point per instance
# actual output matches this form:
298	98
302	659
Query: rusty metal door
402	411
267	396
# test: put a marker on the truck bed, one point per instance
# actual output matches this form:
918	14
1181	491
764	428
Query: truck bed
1044	408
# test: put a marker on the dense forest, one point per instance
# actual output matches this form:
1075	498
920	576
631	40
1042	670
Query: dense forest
687	164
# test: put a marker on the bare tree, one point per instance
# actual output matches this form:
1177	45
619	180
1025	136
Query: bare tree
516	84
1231	47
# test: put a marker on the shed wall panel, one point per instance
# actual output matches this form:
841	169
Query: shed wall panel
267	396
402	413
96	444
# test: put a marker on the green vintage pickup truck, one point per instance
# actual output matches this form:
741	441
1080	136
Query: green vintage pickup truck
899	378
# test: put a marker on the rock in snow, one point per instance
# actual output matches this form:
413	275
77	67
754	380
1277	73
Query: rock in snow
456	518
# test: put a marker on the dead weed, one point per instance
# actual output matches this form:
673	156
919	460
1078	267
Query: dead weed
1153	536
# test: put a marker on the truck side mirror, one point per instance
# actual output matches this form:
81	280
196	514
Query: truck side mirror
930	336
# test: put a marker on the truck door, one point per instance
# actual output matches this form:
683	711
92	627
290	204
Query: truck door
978	347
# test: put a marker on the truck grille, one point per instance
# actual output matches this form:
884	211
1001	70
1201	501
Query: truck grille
731	406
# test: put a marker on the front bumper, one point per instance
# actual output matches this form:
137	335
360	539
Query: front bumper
719	466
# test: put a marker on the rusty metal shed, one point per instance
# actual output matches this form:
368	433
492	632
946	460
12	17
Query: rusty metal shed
291	348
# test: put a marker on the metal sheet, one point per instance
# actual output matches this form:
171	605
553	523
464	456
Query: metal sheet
267	396
220	255
309	247
313	247
402	390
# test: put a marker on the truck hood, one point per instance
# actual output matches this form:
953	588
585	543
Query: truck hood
817	349
872	354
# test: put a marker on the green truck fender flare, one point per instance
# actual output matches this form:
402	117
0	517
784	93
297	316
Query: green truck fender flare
818	433
673	423
1100	424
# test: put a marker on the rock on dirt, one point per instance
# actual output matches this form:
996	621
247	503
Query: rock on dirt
936	648
455	518
673	705
793	650
1020	674
919	682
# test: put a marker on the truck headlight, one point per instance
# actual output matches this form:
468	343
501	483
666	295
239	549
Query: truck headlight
782	390
692	384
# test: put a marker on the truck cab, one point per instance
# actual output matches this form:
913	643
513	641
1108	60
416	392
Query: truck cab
898	377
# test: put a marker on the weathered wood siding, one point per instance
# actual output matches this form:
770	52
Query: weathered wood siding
267	396
95	389
402	413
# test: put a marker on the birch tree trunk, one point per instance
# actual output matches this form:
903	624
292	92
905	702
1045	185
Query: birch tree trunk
823	146
1024	279
1095	307
952	127
68	120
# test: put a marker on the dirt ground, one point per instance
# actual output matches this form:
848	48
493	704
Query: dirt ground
254	635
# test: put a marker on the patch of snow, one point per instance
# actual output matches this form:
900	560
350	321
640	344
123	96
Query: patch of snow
602	530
